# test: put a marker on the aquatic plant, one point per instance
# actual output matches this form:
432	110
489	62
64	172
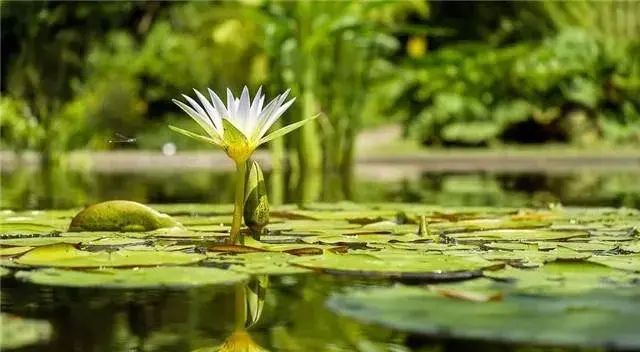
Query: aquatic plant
238	127
256	205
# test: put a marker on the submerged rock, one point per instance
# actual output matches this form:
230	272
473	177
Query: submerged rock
120	215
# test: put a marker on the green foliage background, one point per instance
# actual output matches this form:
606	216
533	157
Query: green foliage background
76	74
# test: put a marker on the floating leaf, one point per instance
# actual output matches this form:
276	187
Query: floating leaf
600	319
13	251
259	263
632	247
623	262
47	240
466	295
513	235
173	277
397	264
363	238
113	241
561	278
429	247
66	255
487	224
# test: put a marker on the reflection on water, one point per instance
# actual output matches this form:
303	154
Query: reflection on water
60	188
290	317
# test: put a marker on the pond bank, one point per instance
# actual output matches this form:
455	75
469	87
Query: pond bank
548	160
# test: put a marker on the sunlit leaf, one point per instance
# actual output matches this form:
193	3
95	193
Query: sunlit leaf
171	277
66	255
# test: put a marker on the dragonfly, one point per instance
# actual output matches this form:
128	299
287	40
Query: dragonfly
122	139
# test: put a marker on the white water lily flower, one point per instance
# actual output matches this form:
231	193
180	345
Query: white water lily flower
241	125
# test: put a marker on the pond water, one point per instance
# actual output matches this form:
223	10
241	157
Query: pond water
284	312
31	188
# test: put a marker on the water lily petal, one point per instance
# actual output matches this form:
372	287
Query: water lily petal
243	111
231	104
286	129
274	117
271	108
219	105
201	120
254	111
213	115
194	104
196	136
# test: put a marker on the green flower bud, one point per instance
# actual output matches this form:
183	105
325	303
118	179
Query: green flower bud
256	204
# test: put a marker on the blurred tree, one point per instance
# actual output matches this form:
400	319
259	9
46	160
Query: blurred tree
44	44
335	57
571	76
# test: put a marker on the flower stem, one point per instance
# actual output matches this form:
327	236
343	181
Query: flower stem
241	170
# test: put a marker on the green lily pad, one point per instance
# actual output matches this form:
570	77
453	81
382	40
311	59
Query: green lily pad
511	246
171	277
363	238
192	209
632	247
29	228
13	251
533	258
311	226
118	241
562	278
257	263
397	264
21	332
120	215
599	319
487	224
623	262
588	246
433	247
291	248
66	255
508	235
47	240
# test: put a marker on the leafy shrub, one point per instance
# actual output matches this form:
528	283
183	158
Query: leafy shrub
570	88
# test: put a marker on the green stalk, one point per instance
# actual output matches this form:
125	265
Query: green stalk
276	195
241	170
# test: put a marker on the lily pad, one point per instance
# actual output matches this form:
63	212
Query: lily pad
623	262
487	224
13	251
258	263
632	247
398	264
120	215
46	240
565	278
171	277
600	319
513	235
362	238
533	258
66	255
